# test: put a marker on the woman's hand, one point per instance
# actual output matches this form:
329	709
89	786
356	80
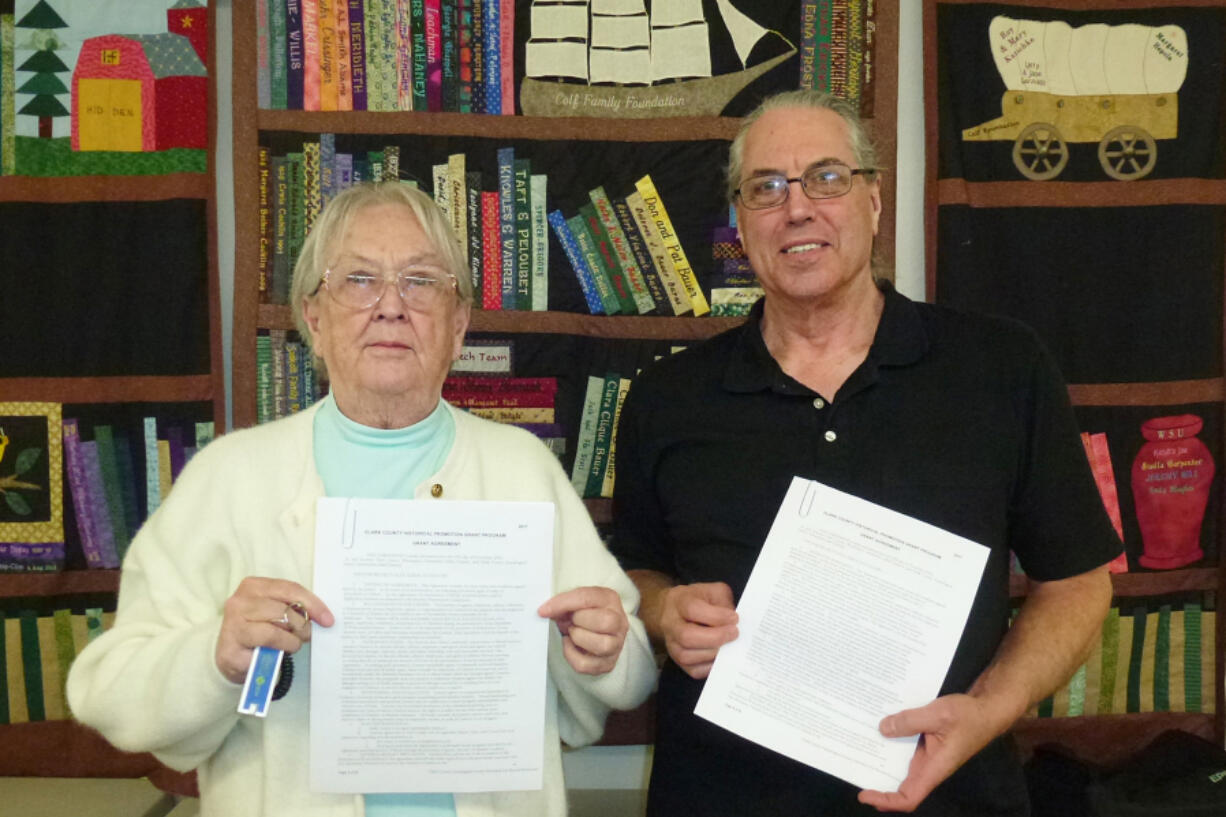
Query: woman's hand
593	626
265	613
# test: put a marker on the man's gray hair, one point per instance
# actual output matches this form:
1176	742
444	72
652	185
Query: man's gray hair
862	149
335	219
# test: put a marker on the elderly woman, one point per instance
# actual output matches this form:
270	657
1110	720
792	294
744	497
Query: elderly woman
383	297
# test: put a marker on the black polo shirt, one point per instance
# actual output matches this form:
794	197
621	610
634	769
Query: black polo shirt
960	420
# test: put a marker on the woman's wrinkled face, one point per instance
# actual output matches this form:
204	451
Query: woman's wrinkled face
391	349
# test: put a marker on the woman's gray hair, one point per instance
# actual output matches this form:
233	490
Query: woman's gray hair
862	149
335	219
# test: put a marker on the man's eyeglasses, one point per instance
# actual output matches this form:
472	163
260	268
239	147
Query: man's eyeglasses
421	288
823	181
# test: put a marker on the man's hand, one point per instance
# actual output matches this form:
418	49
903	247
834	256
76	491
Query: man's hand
261	614
952	729
1049	638
593	626
696	620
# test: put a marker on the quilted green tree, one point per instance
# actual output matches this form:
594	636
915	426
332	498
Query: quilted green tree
44	84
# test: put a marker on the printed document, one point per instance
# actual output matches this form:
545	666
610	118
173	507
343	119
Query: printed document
852	612
433	677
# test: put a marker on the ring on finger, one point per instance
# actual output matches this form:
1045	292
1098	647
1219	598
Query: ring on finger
299	608
289	624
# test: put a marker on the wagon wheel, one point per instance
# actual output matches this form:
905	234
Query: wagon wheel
1127	152
1039	153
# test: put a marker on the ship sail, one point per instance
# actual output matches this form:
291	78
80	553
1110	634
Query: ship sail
621	43
558	47
626	45
680	48
745	32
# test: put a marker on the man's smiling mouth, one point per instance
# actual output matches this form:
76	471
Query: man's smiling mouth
805	247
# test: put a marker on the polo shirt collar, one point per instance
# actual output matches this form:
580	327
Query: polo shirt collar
900	341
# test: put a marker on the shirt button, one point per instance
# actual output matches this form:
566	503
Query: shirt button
831	436
819	403
436	490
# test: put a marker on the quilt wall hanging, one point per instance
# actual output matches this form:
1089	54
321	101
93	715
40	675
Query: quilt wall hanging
105	180
620	59
103	87
1075	181
630	58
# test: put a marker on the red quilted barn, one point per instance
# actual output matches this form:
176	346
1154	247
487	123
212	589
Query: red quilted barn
139	92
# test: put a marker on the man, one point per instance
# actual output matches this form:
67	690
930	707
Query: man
959	420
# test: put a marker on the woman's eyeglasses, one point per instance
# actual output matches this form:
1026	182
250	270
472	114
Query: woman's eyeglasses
421	288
